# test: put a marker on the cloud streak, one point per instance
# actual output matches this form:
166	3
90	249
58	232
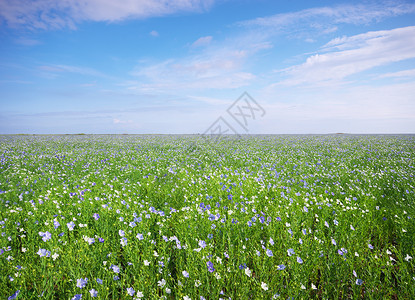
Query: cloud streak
51	14
343	57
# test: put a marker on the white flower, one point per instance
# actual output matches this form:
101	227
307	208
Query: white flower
24	249
313	286
264	286
197	283
187	298
55	256
168	291
303	287
217	276
356	254
146	263
248	272
140	294
161	283
407	258
155	254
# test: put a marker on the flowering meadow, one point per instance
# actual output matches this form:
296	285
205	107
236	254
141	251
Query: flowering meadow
193	217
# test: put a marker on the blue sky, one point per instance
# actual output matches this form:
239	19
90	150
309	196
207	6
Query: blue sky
154	66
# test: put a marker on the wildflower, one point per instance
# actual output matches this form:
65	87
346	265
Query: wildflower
202	244
140	236
370	246
264	286
115	268
55	256
185	274
354	273
217	276
46	236
81	283
14	295
197	283
116	277
77	297
209	264
56	224
269	253
248	272
407	258
299	260
271	241
280	267
333	242
99	281
146	263
123	241
96	216
43	252
168	291
326	224
359	281
351	227
290	252
303	287
258	253
121	233
93	293
305	209
186	298
313	286
130	291
161	283
70	225
140	294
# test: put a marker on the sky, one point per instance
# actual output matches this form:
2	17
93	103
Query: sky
214	66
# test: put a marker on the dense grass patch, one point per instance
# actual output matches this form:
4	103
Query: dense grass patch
151	217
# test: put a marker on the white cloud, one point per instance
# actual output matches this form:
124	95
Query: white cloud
72	69
323	20
154	33
222	66
46	14
400	74
350	55
203	41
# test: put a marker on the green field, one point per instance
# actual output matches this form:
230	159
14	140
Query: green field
193	217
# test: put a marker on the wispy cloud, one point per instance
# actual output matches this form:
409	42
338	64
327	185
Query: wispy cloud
222	66
400	74
51	14
350	55
323	20
54	69
154	33
203	41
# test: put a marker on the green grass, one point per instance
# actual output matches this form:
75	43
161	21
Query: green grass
244	197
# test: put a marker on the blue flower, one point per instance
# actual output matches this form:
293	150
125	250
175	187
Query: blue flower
280	267
71	226
99	281
96	216
359	281
46	236
269	253
14	295
202	244
115	268
77	297
185	274
81	283
209	264
130	291
93	293
299	260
